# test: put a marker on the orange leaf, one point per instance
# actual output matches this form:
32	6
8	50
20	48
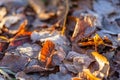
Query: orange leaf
21	36
22	29
46	53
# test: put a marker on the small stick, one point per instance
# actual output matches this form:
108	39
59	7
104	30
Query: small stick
65	18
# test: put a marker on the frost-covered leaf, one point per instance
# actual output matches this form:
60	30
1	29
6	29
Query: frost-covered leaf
103	7
14	62
28	49
80	62
54	36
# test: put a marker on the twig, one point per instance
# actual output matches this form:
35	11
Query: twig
65	18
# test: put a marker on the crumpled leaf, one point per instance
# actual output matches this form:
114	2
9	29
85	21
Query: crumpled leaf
104	66
86	75
21	36
47	52
84	27
78	62
14	62
54	36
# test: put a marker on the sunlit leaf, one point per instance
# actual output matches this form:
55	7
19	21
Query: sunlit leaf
103	64
89	75
97	41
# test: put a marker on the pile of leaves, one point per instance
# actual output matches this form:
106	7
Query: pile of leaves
59	40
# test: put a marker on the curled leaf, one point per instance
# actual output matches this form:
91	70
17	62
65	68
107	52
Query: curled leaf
90	75
84	27
47	52
104	66
21	36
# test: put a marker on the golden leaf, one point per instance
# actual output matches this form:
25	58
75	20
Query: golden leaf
103	63
89	75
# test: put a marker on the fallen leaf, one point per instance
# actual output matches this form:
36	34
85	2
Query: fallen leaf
85	75
21	36
84	27
47	52
104	66
90	75
77	62
54	36
14	62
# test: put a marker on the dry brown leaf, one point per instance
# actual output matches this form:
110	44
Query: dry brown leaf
104	66
84	26
47	52
77	62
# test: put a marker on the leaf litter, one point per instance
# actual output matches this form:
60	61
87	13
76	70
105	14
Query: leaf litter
54	40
